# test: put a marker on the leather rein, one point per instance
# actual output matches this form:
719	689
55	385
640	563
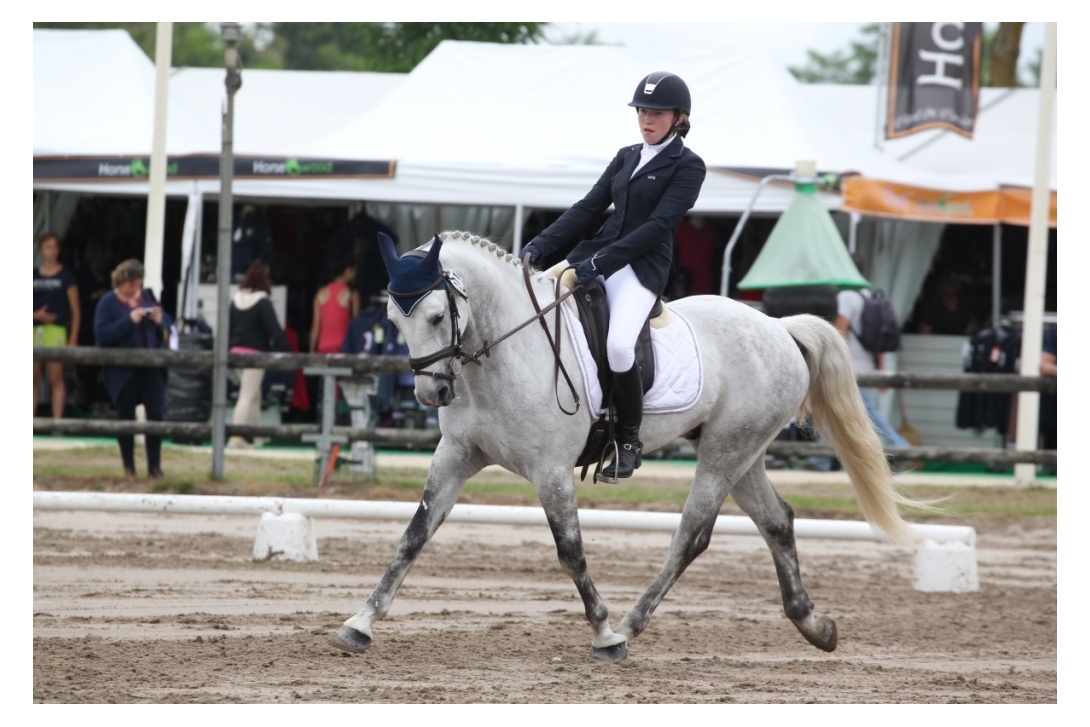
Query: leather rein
458	357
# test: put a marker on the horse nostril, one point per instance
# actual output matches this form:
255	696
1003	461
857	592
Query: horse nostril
444	393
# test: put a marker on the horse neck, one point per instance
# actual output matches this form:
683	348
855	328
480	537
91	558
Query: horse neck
500	303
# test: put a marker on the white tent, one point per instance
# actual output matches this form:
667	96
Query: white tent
275	108
94	94
481	133
475	124
536	124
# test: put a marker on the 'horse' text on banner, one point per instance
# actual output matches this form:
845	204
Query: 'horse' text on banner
934	77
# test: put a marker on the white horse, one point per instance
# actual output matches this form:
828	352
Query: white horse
514	410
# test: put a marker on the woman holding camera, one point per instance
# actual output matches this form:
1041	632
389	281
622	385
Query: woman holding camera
129	317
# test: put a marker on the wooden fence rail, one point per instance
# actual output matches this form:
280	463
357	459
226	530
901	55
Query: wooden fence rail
360	365
162	358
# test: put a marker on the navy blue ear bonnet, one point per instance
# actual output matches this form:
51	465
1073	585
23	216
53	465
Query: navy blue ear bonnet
413	276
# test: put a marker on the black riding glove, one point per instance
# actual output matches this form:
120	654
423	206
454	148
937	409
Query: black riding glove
586	272
533	251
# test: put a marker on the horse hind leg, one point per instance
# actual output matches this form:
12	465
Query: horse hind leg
691	538
774	519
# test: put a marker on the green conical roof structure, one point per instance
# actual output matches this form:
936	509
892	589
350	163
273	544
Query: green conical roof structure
804	248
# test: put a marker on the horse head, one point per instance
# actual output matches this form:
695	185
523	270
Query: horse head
424	308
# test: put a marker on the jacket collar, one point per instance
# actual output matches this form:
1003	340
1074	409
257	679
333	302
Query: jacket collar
669	155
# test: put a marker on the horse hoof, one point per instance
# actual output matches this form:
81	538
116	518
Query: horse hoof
350	639
611	653
825	636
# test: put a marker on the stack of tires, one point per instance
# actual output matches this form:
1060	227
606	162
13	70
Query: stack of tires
189	391
818	300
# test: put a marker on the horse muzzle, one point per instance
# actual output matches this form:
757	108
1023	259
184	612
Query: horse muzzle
436	391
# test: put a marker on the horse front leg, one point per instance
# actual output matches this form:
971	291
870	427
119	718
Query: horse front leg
775	520
557	494
451	466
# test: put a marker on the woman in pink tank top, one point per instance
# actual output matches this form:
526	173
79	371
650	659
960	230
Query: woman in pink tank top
335	305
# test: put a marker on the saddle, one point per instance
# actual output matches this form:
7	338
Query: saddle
594	317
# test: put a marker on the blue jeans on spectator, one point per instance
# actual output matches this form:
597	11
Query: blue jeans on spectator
889	436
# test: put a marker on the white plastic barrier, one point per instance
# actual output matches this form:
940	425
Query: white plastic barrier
945	560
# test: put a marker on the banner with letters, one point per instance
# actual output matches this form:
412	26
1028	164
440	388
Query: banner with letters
206	166
934	77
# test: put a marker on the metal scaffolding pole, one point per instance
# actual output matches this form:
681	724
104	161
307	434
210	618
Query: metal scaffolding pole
233	81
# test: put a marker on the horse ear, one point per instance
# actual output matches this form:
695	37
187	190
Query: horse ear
389	251
431	260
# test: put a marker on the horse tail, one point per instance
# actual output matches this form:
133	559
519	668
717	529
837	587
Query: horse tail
838	414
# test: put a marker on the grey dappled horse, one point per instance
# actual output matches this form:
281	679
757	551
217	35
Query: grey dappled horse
510	410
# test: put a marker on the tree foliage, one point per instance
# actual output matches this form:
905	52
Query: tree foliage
390	47
1000	50
192	44
1002	55
855	65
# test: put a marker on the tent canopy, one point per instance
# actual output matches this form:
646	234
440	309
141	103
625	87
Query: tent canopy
274	107
94	95
542	122
473	124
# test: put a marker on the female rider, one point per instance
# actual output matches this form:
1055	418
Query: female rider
651	186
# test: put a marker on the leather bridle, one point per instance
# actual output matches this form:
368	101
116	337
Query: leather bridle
458	357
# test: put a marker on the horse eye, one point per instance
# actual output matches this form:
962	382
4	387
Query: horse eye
436	319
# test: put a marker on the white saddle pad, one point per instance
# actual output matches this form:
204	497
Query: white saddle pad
679	374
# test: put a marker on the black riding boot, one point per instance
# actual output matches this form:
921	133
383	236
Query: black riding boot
628	403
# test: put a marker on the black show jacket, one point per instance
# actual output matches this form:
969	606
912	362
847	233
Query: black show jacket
647	210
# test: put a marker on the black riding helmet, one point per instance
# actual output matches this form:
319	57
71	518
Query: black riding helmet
664	90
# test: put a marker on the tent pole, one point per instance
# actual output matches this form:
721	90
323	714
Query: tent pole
724	282
516	242
153	235
881	80
1036	264
233	81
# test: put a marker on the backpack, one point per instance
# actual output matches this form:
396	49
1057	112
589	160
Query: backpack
879	330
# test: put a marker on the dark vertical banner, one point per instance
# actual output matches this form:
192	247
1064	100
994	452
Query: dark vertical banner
934	77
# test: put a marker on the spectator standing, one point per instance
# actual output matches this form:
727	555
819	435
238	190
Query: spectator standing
849	313
128	316
335	305
254	329
1048	353
946	314
849	304
56	317
1048	409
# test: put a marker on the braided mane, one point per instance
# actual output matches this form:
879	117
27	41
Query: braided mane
482	242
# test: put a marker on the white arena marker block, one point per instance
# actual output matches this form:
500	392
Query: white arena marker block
289	536
946	568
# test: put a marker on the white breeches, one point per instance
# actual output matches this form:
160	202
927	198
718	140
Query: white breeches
629	305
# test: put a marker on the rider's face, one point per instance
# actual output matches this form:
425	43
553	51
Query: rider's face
655	123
